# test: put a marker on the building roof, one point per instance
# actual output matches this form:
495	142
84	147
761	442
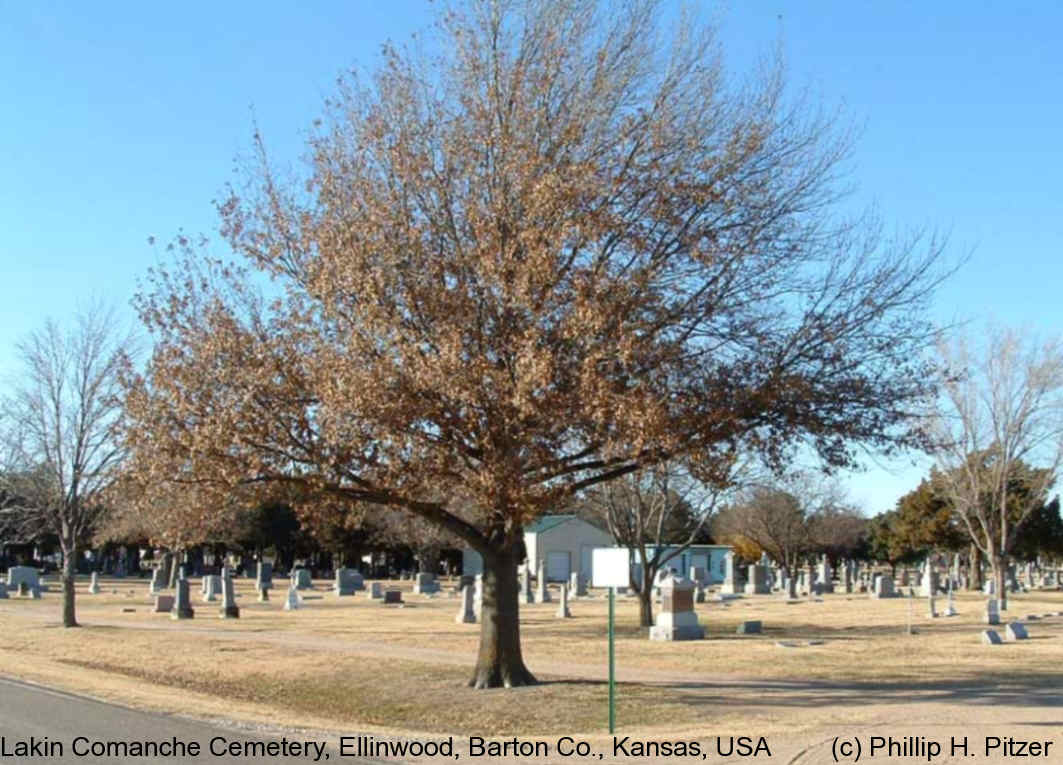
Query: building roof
547	522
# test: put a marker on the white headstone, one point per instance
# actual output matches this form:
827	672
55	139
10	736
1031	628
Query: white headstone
542	592
562	606
467	612
992	611
229	609
1016	631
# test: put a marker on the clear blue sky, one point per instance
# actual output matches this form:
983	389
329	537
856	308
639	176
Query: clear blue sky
120	121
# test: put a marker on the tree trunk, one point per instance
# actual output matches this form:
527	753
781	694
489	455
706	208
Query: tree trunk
975	580
646	597
176	559
70	551
499	663
1000	575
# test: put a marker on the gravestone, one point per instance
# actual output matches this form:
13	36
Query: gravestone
676	620
292	602
847	577
301	579
229	609
950	607
478	594
1013	581
211	588
729	586
883	587
376	591
757	582
158	584
929	584
990	587
931	606
992	611
562	604
526	595
94	584
164	567
425	584
344	585
825	576
699	575
3	591
542	592
163	604
392	597
749	628
467	612
577	585
813	587
182	606
357	580
1016	631
991	637
263	579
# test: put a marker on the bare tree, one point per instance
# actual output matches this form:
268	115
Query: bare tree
656	513
558	254
59	432
788	518
1001	415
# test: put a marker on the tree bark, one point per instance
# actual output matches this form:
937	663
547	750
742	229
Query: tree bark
975	580
499	663
70	551
175	559
1000	575
646	597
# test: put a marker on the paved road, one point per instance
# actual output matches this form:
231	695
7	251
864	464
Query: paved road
41	725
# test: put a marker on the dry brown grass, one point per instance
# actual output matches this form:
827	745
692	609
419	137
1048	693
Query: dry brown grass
351	663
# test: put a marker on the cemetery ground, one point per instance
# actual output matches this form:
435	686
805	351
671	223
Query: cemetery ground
351	665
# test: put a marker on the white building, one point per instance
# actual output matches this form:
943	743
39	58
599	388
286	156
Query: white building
563	542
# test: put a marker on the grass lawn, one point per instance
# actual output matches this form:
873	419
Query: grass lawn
351	663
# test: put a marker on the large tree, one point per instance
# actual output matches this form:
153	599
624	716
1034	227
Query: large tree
59	439
566	249
999	430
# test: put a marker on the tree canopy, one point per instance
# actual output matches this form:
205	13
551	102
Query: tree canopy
565	249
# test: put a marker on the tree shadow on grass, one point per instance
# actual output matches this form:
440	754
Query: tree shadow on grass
991	689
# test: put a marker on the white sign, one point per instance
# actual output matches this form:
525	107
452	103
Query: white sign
610	567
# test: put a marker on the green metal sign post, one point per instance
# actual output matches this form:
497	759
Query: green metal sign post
612	666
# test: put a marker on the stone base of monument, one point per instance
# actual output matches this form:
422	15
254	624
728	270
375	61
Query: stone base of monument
229	612
677	626
183	613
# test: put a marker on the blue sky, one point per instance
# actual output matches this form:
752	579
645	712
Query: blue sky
121	121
